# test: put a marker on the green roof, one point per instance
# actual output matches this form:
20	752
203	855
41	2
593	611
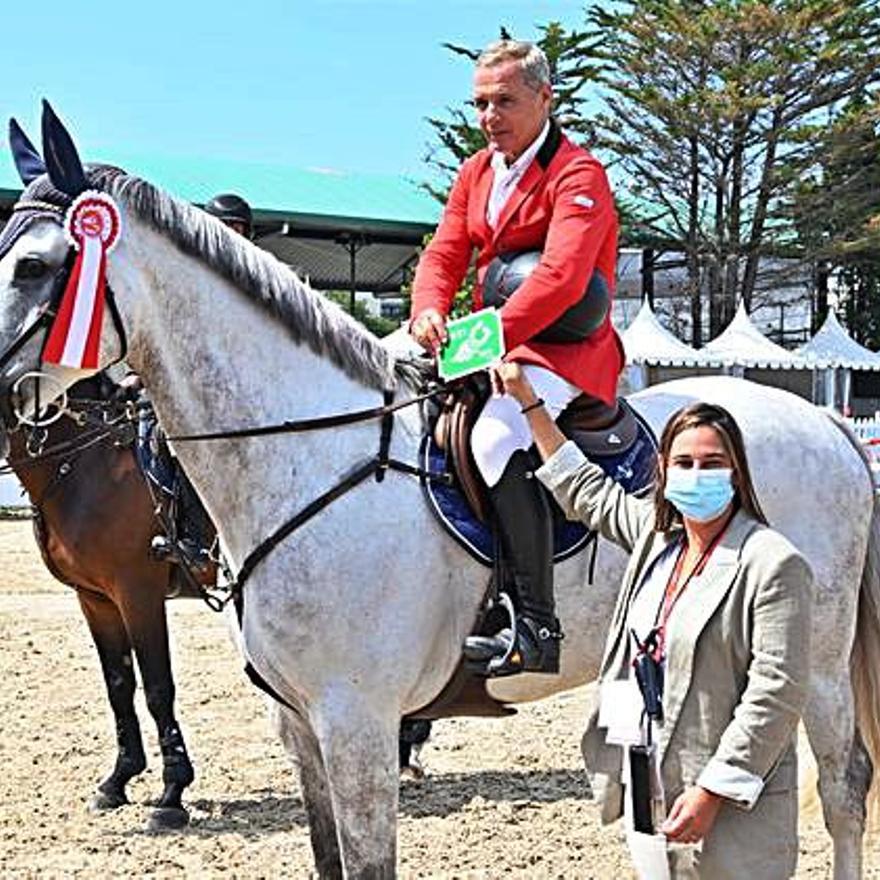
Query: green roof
272	190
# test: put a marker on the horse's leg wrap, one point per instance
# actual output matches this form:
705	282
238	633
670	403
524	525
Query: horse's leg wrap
414	733
130	761
177	774
177	770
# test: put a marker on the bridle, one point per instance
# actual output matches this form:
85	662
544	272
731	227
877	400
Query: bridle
42	322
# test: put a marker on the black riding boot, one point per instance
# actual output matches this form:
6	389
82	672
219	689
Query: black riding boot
526	524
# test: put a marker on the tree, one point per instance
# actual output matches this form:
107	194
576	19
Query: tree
376	324
836	209
707	106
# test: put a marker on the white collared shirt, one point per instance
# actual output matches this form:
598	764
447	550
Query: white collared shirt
506	178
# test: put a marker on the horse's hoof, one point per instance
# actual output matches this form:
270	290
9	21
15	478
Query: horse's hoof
167	819
412	773
103	801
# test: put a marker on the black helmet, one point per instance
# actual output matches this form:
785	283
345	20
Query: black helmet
507	271
231	208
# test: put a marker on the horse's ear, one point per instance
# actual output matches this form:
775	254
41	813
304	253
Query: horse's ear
62	160
27	160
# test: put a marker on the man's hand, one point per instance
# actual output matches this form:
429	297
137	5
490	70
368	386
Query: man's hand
692	815
429	329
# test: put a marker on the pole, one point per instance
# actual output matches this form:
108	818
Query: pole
648	275
352	272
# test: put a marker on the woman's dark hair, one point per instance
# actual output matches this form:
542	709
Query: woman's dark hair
696	416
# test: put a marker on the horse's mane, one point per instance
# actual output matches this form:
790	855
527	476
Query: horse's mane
310	318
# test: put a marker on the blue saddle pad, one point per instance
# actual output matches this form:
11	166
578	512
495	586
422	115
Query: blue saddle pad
633	469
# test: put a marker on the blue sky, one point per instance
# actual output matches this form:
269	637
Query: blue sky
342	84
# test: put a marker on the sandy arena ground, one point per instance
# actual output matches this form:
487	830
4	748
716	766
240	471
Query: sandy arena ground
502	799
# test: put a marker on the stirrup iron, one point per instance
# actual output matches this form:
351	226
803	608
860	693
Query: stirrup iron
511	661
507	664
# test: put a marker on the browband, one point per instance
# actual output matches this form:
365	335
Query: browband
30	205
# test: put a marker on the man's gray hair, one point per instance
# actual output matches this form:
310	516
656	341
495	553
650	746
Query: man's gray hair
533	61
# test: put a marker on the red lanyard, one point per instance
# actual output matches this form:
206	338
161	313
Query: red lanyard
674	589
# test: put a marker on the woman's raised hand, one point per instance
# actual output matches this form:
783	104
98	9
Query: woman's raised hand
510	379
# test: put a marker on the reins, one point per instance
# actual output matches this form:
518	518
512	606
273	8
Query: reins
65	447
315	424
42	321
89	437
376	466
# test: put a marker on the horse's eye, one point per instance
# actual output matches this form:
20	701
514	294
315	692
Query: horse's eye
30	269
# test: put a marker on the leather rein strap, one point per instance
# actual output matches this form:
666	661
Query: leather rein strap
319	423
376	466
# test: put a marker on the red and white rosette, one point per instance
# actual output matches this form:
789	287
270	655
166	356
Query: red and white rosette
92	225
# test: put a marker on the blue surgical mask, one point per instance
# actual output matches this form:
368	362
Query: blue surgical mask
698	494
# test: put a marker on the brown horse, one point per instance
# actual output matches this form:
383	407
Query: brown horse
95	524
95	521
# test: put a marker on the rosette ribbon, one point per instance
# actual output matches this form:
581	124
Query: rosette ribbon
92	226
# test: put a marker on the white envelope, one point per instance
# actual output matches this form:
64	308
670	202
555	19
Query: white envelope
648	852
620	711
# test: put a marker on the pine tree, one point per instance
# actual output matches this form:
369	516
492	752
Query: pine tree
708	105
836	208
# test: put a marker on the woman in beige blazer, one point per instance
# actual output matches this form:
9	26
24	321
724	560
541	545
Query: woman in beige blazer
734	599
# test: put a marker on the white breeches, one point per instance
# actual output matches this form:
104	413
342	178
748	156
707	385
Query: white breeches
501	428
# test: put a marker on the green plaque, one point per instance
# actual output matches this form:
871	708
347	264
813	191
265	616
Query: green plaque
475	343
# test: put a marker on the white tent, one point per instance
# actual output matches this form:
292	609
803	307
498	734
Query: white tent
646	341
837	354
649	345
743	345
833	348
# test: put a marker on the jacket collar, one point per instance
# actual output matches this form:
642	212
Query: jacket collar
530	179
550	146
646	552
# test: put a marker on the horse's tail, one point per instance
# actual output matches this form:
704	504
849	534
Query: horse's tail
865	660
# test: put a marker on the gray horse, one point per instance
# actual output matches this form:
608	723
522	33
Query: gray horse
357	617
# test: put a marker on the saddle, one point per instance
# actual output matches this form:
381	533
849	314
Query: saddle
598	429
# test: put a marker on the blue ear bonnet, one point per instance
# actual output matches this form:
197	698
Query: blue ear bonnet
55	182
28	161
59	153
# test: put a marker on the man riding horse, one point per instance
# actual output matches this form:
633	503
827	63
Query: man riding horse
531	189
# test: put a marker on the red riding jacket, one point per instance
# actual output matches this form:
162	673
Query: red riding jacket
561	206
